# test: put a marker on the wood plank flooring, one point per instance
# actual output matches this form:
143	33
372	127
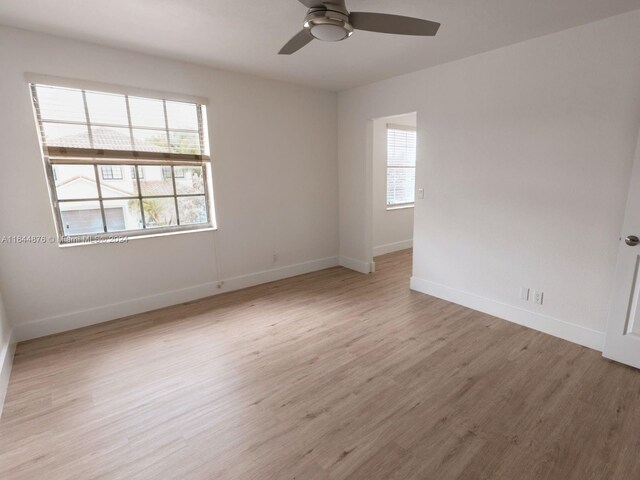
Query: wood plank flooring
330	375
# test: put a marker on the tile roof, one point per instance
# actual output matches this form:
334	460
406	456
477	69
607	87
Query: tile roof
107	138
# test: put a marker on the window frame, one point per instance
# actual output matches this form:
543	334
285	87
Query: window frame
131	159
399	205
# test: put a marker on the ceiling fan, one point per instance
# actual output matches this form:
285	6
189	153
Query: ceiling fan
330	21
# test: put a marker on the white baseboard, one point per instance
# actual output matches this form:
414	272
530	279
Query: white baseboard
6	362
543	323
357	265
104	313
392	247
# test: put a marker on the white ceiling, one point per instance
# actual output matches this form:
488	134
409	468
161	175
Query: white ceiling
246	35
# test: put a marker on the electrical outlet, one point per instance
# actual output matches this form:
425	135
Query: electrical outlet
538	297
220	284
524	293
276	257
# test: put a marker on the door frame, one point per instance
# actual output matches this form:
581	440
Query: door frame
369	223
620	343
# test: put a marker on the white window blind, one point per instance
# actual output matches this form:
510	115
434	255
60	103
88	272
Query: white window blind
108	127
401	165
123	163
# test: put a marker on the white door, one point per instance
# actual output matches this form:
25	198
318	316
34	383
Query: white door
622	342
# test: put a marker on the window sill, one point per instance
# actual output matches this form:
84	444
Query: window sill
123	238
400	207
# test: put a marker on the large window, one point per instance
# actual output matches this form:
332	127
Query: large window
401	165
123	163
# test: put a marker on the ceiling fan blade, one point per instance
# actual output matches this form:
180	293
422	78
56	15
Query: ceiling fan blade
384	23
298	41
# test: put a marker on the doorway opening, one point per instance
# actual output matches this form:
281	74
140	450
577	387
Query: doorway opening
393	174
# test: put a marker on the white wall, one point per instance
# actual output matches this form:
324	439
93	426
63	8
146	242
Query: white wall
392	229
274	194
525	154
7	347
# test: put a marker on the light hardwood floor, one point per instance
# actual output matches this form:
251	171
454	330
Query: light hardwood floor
331	375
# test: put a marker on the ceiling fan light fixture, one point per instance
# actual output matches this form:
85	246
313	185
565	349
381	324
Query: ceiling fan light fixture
329	33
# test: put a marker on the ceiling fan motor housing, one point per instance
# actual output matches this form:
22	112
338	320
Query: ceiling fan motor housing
328	25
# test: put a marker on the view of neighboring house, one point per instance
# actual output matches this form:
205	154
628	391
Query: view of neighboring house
80	195
85	216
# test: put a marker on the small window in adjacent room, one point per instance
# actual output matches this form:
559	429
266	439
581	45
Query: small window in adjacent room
401	166
122	163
